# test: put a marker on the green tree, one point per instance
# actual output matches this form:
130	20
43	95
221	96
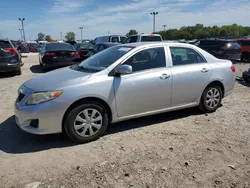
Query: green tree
132	32
48	38
40	36
70	36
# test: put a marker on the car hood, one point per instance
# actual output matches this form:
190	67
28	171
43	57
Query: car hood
57	80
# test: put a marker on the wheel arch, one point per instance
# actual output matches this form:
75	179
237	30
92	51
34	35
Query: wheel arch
216	82
81	101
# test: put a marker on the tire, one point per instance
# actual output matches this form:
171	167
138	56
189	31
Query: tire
82	133
211	91
18	72
245	57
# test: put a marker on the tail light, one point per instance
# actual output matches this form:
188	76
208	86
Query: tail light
74	53
11	50
50	54
233	68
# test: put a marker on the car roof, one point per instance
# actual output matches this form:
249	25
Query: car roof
145	35
138	44
111	36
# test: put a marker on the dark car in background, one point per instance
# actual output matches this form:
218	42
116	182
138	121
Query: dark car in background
10	59
84	49
100	47
111	38
144	38
55	55
220	48
23	48
245	49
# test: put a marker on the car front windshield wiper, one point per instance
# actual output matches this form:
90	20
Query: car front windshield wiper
85	69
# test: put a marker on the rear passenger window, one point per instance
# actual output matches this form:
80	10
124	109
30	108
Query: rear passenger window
185	56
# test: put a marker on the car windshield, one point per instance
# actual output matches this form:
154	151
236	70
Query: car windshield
85	46
59	46
150	38
5	44
105	58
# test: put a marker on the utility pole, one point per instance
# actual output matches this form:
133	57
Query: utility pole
108	33
154	13
21	33
61	36
81	32
22	19
164	26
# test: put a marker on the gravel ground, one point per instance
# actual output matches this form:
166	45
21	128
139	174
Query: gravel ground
177	149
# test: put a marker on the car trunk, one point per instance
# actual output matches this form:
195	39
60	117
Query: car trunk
61	55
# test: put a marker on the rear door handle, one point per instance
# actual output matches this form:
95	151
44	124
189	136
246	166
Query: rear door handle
204	70
164	76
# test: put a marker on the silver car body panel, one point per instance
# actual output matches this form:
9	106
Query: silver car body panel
129	96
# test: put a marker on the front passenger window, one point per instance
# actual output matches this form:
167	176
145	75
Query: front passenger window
147	59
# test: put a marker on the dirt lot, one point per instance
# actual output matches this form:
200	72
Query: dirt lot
178	149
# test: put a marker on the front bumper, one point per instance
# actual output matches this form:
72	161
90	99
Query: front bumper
49	115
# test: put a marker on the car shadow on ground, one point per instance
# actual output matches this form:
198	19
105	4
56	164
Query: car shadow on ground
242	82
36	69
7	75
14	140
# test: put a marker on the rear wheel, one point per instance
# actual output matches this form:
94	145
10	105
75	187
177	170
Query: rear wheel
245	57
86	122
211	99
19	72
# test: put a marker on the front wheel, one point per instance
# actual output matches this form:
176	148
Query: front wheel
211	99
86	122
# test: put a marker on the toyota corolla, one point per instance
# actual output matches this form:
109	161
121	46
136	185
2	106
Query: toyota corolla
123	82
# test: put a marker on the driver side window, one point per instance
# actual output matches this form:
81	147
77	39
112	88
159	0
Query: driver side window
147	59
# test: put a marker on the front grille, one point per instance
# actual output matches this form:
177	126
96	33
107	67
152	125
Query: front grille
20	96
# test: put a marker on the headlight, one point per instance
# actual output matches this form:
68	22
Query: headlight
37	98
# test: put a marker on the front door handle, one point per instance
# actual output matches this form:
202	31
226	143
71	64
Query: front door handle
204	70
164	76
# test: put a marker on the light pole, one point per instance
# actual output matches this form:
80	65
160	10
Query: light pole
164	26
21	33
153	13
22	19
81	32
61	36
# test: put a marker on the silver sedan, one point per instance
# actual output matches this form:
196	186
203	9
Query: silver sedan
123	82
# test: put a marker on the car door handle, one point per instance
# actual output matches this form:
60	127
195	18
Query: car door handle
204	70
164	76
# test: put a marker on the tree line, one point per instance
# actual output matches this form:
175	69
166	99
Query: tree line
70	36
199	31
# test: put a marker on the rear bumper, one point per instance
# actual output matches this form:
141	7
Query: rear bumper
234	57
8	67
60	64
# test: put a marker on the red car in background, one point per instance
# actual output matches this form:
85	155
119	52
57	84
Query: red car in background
245	49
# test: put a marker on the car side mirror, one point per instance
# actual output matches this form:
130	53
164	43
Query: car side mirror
124	69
